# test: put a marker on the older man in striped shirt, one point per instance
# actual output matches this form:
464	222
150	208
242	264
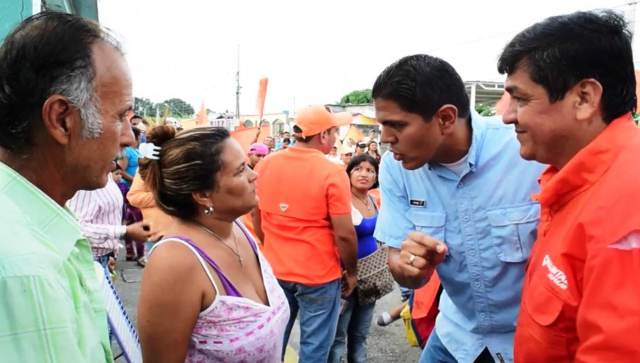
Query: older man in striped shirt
100	215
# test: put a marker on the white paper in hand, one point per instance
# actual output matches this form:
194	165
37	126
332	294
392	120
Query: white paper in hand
122	328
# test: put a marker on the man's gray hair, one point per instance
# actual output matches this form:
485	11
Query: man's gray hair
48	53
78	88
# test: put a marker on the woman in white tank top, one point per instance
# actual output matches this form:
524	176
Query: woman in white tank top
208	294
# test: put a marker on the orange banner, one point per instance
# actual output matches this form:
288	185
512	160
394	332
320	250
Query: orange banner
201	117
264	132
262	95
245	137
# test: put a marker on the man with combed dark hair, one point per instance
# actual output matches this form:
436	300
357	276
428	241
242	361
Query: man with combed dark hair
572	86
456	198
304	220
65	97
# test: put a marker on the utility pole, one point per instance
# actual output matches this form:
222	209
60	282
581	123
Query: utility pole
238	86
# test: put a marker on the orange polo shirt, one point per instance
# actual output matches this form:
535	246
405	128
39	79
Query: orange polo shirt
298	190
581	296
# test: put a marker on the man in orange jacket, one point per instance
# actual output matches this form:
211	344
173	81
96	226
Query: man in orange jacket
572	86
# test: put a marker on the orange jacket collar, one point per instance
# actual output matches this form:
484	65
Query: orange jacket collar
586	167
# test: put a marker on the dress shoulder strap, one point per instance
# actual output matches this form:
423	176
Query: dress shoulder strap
188	245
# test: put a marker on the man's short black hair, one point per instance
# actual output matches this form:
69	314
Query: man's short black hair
561	51
421	84
297	134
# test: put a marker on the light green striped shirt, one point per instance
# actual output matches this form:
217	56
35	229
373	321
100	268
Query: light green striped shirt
51	309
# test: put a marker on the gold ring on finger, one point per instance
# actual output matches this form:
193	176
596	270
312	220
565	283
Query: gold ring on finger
412	258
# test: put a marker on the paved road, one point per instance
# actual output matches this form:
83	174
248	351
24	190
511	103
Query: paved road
385	344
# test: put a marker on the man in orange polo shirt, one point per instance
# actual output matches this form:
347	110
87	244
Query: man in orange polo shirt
572	86
304	221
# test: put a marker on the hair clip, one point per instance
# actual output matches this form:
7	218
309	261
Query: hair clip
149	151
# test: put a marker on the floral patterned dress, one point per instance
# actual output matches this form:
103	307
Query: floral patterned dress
234	328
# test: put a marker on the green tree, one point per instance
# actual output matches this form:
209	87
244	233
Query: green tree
144	107
357	97
485	110
177	107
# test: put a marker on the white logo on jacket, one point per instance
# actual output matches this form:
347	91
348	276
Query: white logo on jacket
555	275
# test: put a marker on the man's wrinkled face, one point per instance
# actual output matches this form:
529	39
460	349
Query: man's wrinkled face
112	87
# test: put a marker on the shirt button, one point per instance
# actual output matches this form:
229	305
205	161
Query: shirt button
466	218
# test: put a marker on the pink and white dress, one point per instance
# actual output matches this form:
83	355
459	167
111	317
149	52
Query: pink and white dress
234	328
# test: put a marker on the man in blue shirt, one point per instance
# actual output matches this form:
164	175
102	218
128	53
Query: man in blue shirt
455	198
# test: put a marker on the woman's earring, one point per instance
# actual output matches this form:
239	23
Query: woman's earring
208	211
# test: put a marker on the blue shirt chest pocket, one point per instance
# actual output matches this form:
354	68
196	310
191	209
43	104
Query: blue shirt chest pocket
430	223
513	231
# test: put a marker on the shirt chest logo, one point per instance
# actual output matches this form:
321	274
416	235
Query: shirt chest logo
283	207
418	203
554	273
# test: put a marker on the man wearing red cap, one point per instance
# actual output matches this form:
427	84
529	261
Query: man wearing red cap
304	220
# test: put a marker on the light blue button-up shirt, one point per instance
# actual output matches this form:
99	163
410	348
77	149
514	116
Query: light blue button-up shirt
488	221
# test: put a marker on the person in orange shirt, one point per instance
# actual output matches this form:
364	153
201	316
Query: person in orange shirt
304	221
572	87
142	198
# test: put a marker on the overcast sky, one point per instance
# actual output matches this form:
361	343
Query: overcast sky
312	51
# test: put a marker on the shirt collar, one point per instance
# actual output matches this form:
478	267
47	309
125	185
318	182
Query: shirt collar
40	211
585	167
478	132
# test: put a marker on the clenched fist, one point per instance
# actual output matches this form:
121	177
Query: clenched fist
413	264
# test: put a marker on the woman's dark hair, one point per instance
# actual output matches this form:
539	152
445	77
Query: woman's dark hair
357	160
188	163
375	151
156	136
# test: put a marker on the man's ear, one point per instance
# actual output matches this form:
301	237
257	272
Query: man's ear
446	117
325	136
59	117
588	96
